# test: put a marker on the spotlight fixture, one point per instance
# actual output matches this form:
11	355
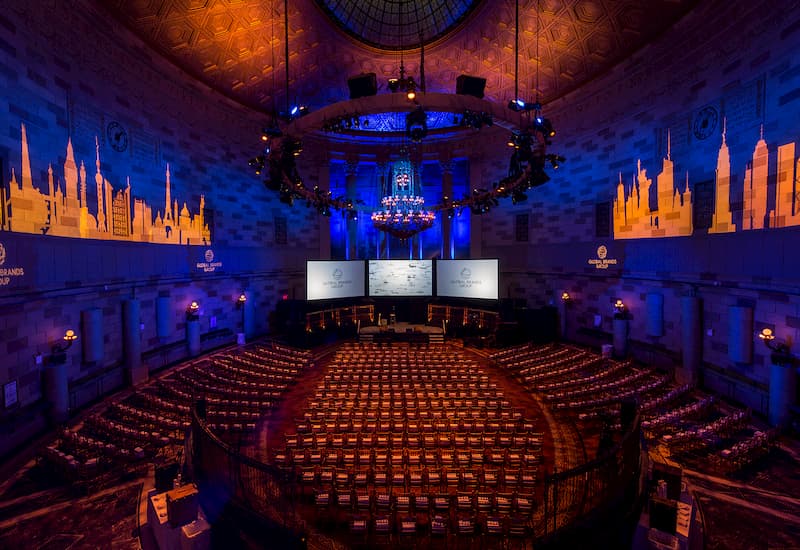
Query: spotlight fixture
58	352
417	124
520	105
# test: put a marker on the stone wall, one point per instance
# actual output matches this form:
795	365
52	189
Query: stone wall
736	61
77	87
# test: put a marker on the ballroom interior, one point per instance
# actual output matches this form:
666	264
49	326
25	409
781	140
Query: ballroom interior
399	274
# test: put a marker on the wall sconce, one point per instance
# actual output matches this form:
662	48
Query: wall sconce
565	297
241	300
781	354
193	311
620	311
58	353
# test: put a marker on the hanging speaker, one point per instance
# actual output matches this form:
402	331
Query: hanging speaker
362	85
470	85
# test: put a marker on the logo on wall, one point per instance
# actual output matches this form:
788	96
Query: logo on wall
209	265
337	274
7	274
602	261
466	272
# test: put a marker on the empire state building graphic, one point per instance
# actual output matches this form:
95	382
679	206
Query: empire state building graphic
63	209
634	219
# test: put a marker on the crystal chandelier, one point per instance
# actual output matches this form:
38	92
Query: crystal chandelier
402	212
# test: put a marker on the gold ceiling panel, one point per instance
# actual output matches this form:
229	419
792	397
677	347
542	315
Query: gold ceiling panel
231	44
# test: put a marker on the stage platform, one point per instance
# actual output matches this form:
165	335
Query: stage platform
402	332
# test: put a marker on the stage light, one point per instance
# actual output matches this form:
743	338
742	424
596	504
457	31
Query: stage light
516	105
394	84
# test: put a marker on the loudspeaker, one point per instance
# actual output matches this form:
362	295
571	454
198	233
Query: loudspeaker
672	475
663	514
470	85
362	85
165	476
182	505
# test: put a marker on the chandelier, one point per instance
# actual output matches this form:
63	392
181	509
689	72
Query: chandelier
402	212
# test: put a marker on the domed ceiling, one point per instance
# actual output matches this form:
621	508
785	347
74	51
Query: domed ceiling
237	46
395	24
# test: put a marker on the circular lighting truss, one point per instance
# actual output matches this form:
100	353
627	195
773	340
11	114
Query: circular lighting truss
401	213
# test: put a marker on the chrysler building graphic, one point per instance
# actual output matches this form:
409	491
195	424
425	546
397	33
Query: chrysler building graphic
62	208
633	218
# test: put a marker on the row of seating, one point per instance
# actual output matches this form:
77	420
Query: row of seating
154	419
416	422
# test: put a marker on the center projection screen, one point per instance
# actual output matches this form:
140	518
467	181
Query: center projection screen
395	278
328	280
467	279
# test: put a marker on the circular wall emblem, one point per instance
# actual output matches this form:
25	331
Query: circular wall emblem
117	136
705	122
602	252
2	254
337	273
209	255
466	272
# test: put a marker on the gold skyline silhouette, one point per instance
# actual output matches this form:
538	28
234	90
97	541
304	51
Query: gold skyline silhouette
62	208
633	218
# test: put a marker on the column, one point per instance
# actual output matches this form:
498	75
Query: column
351	172
56	391
163	318
740	334
324	184
782	387
691	340
135	372
447	196
382	239
92	335
620	334
193	335
475	225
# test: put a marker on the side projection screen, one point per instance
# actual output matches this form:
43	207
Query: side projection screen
400	278
327	280
467	279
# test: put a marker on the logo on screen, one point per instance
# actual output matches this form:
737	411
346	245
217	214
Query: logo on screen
209	255
337	274
466	272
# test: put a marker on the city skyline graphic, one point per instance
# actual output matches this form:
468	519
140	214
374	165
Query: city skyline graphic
63	208
761	207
